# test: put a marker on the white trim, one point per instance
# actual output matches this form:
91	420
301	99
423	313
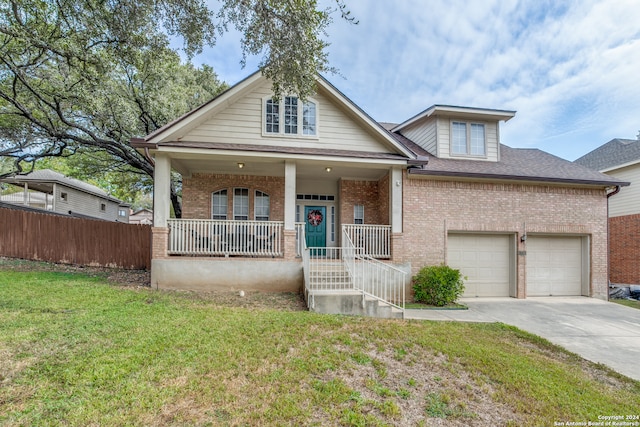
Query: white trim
466	112
621	166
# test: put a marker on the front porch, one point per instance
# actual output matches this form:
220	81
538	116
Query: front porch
215	238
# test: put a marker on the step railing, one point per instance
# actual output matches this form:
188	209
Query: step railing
347	269
203	237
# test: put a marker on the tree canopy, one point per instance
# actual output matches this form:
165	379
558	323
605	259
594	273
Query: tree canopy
85	76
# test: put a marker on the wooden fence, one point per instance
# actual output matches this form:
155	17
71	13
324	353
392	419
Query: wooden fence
81	241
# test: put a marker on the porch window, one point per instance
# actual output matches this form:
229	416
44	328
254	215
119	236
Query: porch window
219	205
358	214
261	206
467	139
241	204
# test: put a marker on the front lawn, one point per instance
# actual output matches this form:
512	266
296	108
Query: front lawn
633	303
75	350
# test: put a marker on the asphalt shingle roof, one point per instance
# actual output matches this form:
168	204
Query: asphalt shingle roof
523	164
614	153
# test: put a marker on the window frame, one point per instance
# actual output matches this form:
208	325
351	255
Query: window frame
303	122
226	205
469	147
358	209
236	199
263	195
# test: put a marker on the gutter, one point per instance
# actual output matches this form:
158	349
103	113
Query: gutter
614	192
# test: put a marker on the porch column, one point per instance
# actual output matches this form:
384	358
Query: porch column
395	214
289	209
289	195
161	206
161	190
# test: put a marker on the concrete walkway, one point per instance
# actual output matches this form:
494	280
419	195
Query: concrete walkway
597	330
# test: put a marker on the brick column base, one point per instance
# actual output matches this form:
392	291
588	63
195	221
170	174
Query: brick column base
159	242
289	246
398	254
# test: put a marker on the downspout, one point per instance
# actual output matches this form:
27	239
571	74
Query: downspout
148	156
613	193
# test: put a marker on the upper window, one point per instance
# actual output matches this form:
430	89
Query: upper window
297	117
219	205
468	139
261	206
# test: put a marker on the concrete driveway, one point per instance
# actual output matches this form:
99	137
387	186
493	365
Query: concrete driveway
599	331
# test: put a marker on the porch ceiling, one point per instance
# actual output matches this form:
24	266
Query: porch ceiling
265	166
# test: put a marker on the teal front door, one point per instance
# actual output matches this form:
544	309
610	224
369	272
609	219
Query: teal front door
316	226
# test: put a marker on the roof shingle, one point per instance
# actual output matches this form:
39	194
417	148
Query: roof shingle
616	152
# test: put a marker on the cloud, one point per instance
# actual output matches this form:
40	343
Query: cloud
570	68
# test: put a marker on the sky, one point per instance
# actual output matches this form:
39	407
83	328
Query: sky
571	69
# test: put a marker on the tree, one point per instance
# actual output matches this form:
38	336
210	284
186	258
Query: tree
84	76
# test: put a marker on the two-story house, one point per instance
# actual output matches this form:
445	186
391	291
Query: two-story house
275	190
620	159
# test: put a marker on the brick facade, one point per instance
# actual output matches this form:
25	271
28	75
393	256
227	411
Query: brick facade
373	195
433	208
197	190
624	249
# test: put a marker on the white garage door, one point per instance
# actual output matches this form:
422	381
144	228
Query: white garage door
554	266
484	260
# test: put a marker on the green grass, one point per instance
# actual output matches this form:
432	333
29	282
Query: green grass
628	302
423	306
77	351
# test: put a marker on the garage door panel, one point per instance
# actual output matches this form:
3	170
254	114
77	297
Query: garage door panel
554	265
484	260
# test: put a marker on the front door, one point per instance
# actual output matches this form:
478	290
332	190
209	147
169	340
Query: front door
316	228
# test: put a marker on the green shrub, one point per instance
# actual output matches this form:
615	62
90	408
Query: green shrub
437	285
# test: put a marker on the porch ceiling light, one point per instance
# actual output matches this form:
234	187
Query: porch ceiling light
328	169
240	165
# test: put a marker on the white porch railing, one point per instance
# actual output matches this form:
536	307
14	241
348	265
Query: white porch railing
375	240
225	237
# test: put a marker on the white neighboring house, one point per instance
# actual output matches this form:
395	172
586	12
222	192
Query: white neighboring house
52	191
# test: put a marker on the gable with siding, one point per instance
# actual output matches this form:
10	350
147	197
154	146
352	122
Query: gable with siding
241	121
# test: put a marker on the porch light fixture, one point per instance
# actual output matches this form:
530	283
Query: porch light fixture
240	165
523	238
328	169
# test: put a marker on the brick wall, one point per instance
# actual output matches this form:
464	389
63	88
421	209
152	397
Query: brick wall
624	249
361	193
196	193
433	208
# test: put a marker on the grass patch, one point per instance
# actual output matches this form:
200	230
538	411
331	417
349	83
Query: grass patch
627	302
77	351
423	306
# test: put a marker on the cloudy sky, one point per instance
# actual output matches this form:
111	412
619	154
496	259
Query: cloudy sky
571	69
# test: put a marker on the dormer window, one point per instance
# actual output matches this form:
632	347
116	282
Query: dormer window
290	116
468	139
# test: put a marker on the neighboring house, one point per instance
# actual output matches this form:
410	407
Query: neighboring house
620	158
141	216
262	179
49	190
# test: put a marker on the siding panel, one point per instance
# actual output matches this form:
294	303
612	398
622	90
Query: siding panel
627	201
241	123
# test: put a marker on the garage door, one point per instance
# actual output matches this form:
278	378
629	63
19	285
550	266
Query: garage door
484	260
554	266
